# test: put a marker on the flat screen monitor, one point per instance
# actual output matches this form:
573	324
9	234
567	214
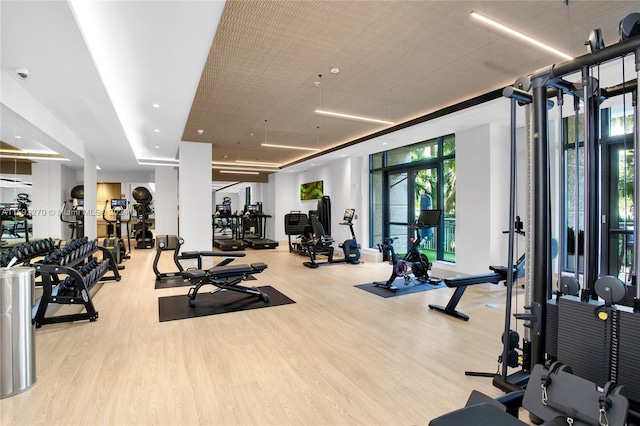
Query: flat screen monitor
223	208
252	208
79	202
348	215
119	203
429	218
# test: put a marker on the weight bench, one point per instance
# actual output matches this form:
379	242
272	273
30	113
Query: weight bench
461	283
225	278
229	256
554	396
173	243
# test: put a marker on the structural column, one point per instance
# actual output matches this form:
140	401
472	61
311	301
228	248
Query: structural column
46	199
194	184
90	196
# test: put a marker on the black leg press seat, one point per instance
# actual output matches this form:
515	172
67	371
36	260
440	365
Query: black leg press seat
225	278
553	396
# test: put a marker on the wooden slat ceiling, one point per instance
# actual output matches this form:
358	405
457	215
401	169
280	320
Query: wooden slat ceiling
398	60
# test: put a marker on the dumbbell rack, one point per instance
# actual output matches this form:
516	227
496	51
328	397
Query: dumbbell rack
82	270
26	252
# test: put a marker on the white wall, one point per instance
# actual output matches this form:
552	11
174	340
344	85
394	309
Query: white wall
482	198
286	198
166	201
499	168
125	177
473	213
18	99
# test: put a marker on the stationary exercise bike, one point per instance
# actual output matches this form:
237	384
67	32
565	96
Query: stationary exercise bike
322	243
414	263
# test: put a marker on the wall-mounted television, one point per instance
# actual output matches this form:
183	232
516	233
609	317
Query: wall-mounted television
311	190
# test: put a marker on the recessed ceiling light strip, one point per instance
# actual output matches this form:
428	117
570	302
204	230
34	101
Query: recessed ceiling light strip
158	162
352	117
270	145
242	163
240	168
259	163
519	35
238	172
34	157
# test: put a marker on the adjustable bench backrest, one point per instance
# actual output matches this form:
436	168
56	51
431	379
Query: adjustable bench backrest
572	396
318	230
295	223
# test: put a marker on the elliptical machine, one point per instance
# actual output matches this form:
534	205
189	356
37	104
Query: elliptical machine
72	212
414	262
143	234
116	245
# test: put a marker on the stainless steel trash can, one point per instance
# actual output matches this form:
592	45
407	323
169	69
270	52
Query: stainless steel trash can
17	332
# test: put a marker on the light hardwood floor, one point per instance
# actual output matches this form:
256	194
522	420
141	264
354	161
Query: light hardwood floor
338	356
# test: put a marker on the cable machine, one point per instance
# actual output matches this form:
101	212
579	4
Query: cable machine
587	331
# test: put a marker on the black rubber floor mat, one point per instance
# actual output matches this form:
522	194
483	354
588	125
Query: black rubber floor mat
402	288
177	307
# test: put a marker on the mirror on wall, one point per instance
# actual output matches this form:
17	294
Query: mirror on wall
28	158
15	179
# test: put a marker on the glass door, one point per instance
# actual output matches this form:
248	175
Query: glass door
425	197
620	211
398	209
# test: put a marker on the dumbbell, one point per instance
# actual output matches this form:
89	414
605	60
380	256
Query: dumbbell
56	256
31	248
66	285
84	270
18	254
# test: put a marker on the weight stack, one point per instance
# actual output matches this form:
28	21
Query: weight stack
551	332
628	350
583	339
324	213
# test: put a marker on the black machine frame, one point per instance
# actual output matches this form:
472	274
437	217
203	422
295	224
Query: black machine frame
547	317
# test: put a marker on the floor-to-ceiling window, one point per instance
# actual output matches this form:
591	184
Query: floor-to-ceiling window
406	180
618	188
616	196
573	212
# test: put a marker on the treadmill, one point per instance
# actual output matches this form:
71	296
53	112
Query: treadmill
254	226
225	242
